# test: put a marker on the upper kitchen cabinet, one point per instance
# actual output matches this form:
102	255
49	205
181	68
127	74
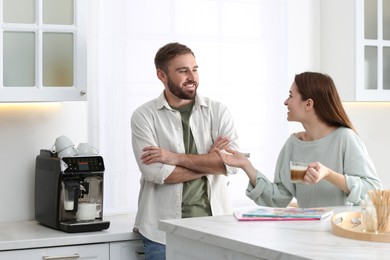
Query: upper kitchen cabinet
355	47
43	49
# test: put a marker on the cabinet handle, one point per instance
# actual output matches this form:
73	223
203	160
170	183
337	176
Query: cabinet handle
75	256
139	253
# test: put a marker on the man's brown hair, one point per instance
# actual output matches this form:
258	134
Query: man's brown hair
168	52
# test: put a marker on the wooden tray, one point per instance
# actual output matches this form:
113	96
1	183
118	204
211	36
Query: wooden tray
343	226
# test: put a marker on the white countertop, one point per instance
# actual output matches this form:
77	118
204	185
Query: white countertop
277	239
30	234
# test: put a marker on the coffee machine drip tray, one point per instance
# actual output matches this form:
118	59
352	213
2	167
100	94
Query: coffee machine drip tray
74	226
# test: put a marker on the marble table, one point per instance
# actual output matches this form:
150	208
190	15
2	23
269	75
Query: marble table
223	237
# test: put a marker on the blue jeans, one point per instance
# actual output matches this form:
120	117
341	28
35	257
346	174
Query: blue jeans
153	250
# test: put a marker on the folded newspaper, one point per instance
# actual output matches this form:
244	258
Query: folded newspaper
269	213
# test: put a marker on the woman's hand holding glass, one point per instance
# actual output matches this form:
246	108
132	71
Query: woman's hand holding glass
316	172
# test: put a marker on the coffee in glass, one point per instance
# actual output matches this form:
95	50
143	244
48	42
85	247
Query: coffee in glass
298	171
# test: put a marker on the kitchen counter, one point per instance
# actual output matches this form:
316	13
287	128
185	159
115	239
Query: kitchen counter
30	234
223	237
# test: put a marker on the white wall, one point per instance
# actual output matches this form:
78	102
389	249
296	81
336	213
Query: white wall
24	130
303	42
371	120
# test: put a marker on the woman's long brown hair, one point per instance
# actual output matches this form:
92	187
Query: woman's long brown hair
327	104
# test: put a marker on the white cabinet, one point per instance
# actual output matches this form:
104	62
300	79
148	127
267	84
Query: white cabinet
95	251
124	250
355	47
127	250
43	50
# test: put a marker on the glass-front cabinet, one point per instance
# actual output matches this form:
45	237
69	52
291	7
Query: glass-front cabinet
355	47
374	49
43	50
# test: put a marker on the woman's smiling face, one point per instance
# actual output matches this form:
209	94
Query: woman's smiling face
295	105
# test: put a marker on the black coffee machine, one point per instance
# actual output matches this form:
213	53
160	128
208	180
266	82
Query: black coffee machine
62	184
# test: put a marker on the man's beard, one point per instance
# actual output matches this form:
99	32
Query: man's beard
178	91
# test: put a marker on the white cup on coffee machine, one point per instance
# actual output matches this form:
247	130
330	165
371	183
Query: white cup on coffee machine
86	149
64	147
88	211
68	152
61	143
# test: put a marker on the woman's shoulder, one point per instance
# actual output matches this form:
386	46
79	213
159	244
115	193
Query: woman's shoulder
338	133
345	131
347	136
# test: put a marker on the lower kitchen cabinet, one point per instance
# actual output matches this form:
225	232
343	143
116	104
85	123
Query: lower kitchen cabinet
129	250
124	250
81	252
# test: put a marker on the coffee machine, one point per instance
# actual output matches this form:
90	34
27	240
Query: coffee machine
63	185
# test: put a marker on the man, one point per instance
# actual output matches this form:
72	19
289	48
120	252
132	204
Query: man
176	138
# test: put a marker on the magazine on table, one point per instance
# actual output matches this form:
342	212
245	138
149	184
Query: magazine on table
275	214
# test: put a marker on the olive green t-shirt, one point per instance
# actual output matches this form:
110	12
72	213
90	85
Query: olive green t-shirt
195	202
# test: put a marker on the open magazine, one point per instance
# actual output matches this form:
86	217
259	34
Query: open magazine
272	214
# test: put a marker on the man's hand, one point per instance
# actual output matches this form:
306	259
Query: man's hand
154	154
210	163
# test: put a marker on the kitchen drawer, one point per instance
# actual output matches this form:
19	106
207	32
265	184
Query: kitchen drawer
129	250
94	251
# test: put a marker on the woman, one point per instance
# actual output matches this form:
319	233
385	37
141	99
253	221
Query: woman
340	171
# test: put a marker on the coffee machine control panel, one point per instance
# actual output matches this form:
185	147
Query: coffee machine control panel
82	164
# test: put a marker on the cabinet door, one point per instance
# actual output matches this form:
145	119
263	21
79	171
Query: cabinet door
373	50
43	50
97	251
129	250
